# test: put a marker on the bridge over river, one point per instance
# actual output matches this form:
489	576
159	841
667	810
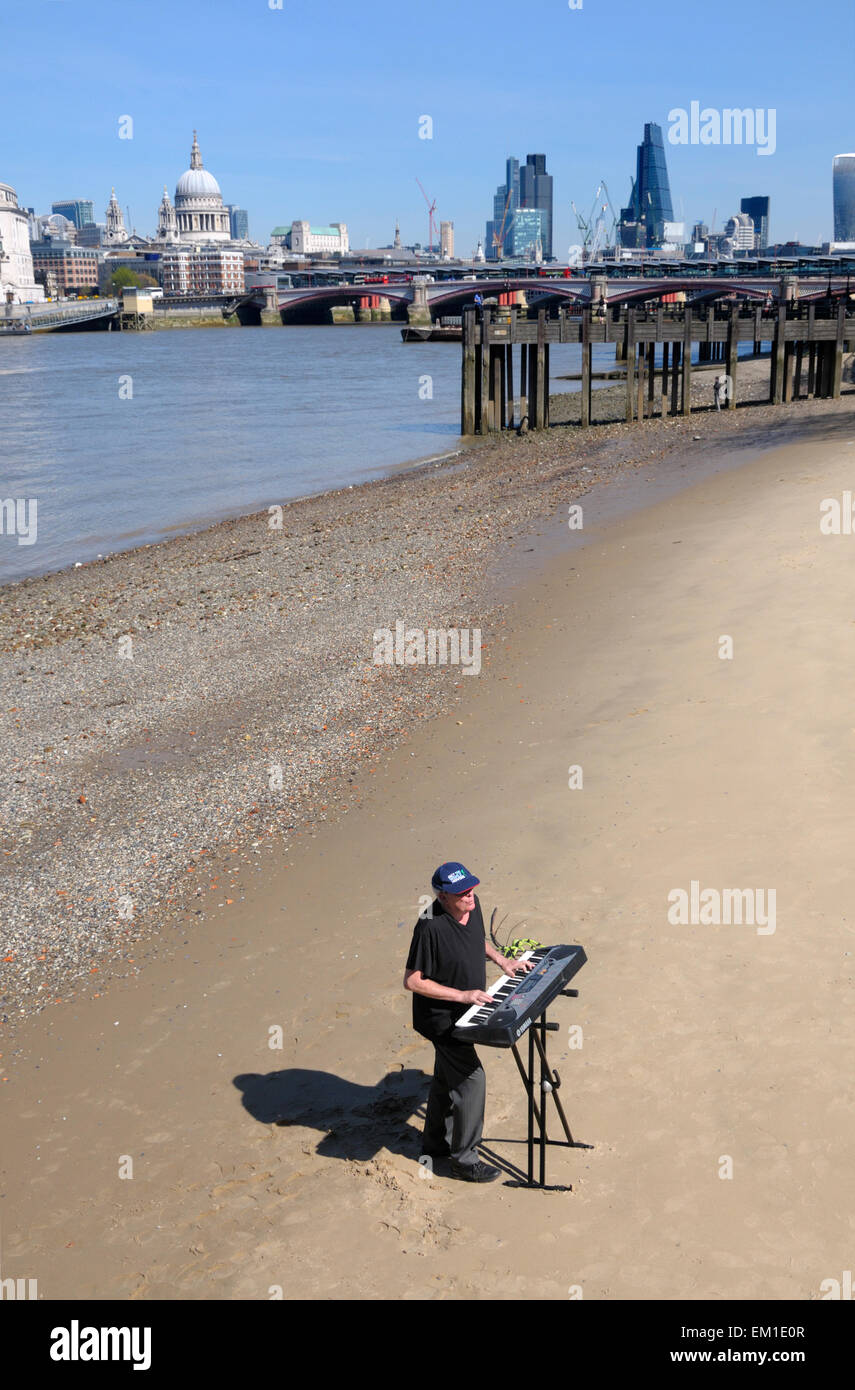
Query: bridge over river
53	315
423	301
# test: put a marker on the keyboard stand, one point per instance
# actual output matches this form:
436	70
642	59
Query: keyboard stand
548	1084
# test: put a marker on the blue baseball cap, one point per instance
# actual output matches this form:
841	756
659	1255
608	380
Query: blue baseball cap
453	878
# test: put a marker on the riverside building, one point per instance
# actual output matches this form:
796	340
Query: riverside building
72	269
201	270
17	278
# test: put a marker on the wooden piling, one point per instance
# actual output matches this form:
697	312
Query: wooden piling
629	355
788	373
837	368
585	416
675	375
468	380
540	371
808	347
484	403
776	384
732	347
686	403
797	383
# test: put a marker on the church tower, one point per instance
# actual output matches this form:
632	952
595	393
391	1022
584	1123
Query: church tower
115	232
167	222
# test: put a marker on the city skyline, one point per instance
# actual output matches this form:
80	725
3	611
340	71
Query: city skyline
327	145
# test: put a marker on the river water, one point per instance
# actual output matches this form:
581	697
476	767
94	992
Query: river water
126	438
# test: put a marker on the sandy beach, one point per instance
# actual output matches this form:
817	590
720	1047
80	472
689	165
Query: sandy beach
228	1099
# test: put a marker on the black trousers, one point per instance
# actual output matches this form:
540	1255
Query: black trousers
455	1108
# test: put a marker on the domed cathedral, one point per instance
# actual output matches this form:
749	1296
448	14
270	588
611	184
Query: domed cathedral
199	211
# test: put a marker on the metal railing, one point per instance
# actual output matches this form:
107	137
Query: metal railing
17	318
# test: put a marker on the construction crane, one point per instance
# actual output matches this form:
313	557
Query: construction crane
431	211
595	234
499	236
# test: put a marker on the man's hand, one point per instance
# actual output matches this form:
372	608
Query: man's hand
475	996
512	966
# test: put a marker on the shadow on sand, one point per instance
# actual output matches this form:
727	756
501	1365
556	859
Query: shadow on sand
355	1121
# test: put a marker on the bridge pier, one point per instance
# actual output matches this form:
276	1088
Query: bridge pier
418	310
270	314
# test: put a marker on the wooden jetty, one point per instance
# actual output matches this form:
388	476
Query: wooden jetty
808	337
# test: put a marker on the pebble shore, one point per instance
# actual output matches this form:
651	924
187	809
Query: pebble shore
174	714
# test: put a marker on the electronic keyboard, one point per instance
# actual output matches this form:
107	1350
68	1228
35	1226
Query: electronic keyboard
516	1001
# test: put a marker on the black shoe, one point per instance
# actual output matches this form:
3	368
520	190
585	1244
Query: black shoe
474	1172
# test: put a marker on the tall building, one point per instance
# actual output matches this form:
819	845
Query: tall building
758	210
739	233
17	279
642	222
238	223
78	210
446	240
844	197
199	206
527	234
527	187
536	192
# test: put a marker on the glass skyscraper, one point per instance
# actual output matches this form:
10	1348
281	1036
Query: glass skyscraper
758	211
238	223
536	192
642	223
844	197
527	229
80	211
526	188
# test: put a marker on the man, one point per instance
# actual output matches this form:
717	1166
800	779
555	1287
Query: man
446	973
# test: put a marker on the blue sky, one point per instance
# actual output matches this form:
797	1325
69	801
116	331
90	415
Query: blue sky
316	114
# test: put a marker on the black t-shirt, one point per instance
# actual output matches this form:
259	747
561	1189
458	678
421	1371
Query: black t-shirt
448	953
